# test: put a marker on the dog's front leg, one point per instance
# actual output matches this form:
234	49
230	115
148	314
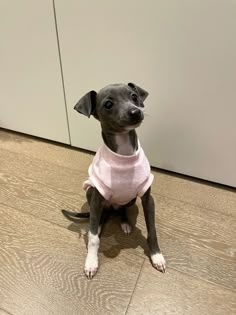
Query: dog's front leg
157	258
95	201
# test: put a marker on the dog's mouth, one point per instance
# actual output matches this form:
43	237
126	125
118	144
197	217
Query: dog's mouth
136	121
136	124
132	125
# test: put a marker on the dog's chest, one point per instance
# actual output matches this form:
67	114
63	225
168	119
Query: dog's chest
119	178
124	146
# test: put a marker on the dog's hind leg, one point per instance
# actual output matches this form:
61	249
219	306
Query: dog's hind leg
125	226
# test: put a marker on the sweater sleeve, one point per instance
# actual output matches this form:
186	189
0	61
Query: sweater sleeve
145	185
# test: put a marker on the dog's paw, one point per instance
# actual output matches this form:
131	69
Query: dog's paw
91	266
126	228
158	262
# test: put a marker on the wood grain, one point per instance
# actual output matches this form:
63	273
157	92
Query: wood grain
45	150
177	293
4	312
42	254
42	271
195	240
39	188
198	193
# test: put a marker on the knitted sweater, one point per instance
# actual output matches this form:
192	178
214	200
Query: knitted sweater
119	178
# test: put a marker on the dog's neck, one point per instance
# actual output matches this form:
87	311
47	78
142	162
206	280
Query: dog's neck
121	143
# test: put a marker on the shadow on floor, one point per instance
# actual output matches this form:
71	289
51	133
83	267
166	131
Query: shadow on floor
113	239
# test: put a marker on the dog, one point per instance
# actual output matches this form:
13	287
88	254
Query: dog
120	171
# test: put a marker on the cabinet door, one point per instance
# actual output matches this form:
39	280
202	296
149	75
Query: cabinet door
31	97
182	52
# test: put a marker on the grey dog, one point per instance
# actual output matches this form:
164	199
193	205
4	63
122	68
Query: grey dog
119	109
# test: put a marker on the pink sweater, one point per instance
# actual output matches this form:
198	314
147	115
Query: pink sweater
119	178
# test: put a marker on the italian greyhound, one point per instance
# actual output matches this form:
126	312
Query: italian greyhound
120	170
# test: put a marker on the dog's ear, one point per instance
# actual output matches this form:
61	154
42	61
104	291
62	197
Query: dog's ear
87	104
141	92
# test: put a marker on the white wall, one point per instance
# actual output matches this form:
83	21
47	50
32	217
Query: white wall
182	52
31	94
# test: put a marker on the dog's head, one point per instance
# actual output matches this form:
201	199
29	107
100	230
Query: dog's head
118	107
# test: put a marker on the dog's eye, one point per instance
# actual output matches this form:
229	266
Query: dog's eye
108	104
134	97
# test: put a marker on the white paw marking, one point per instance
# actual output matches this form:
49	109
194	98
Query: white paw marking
91	263
126	228
158	262
91	266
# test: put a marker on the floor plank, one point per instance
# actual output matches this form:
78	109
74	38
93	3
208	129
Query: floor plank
195	240
4	312
42	253
177	293
42	271
180	188
38	187
200	193
48	151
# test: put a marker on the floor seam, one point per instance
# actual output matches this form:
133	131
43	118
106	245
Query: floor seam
85	172
135	254
3	309
185	177
56	225
141	268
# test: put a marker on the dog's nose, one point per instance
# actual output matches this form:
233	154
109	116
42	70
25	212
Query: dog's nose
135	113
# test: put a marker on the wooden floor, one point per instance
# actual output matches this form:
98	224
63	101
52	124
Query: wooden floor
42	254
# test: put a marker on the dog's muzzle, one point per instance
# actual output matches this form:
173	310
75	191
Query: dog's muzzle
135	115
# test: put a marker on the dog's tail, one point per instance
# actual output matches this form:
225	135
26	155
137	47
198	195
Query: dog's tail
75	216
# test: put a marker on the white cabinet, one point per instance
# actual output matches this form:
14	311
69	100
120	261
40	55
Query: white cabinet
31	97
182	52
